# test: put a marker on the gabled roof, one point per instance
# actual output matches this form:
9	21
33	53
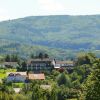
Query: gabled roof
36	76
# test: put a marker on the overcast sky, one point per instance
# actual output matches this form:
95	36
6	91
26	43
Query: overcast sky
11	9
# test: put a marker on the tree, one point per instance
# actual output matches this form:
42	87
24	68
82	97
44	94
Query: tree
24	66
14	58
5	93
75	79
54	74
46	55
92	85
54	94
41	55
86	58
32	56
20	97
40	94
62	93
7	58
64	80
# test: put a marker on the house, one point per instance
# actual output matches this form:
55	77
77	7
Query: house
9	65
39	65
16	76
64	64
40	76
17	90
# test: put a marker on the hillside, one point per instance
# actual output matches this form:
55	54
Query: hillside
59	34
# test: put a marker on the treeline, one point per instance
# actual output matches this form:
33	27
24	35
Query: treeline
16	58
40	55
22	63
12	58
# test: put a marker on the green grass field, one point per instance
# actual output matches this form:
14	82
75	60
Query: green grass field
3	72
18	85
2	75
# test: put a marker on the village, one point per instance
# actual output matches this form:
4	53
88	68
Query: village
32	69
54	79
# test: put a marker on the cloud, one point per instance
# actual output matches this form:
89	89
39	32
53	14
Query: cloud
50	5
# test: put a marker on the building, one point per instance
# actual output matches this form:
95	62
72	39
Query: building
23	76
16	76
17	90
40	76
38	65
9	65
69	65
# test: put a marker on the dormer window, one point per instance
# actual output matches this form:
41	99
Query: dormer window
11	74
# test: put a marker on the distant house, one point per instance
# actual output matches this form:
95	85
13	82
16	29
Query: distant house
39	64
40	76
17	90
16	76
64	64
9	65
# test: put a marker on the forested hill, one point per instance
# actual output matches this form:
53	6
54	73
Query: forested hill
56	33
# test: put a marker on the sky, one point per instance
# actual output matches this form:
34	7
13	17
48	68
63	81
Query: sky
12	9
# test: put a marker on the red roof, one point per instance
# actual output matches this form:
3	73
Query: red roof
36	76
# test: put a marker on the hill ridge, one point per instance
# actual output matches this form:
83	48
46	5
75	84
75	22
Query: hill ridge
64	32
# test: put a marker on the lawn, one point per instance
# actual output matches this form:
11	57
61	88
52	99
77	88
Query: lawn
3	72
18	85
2	75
